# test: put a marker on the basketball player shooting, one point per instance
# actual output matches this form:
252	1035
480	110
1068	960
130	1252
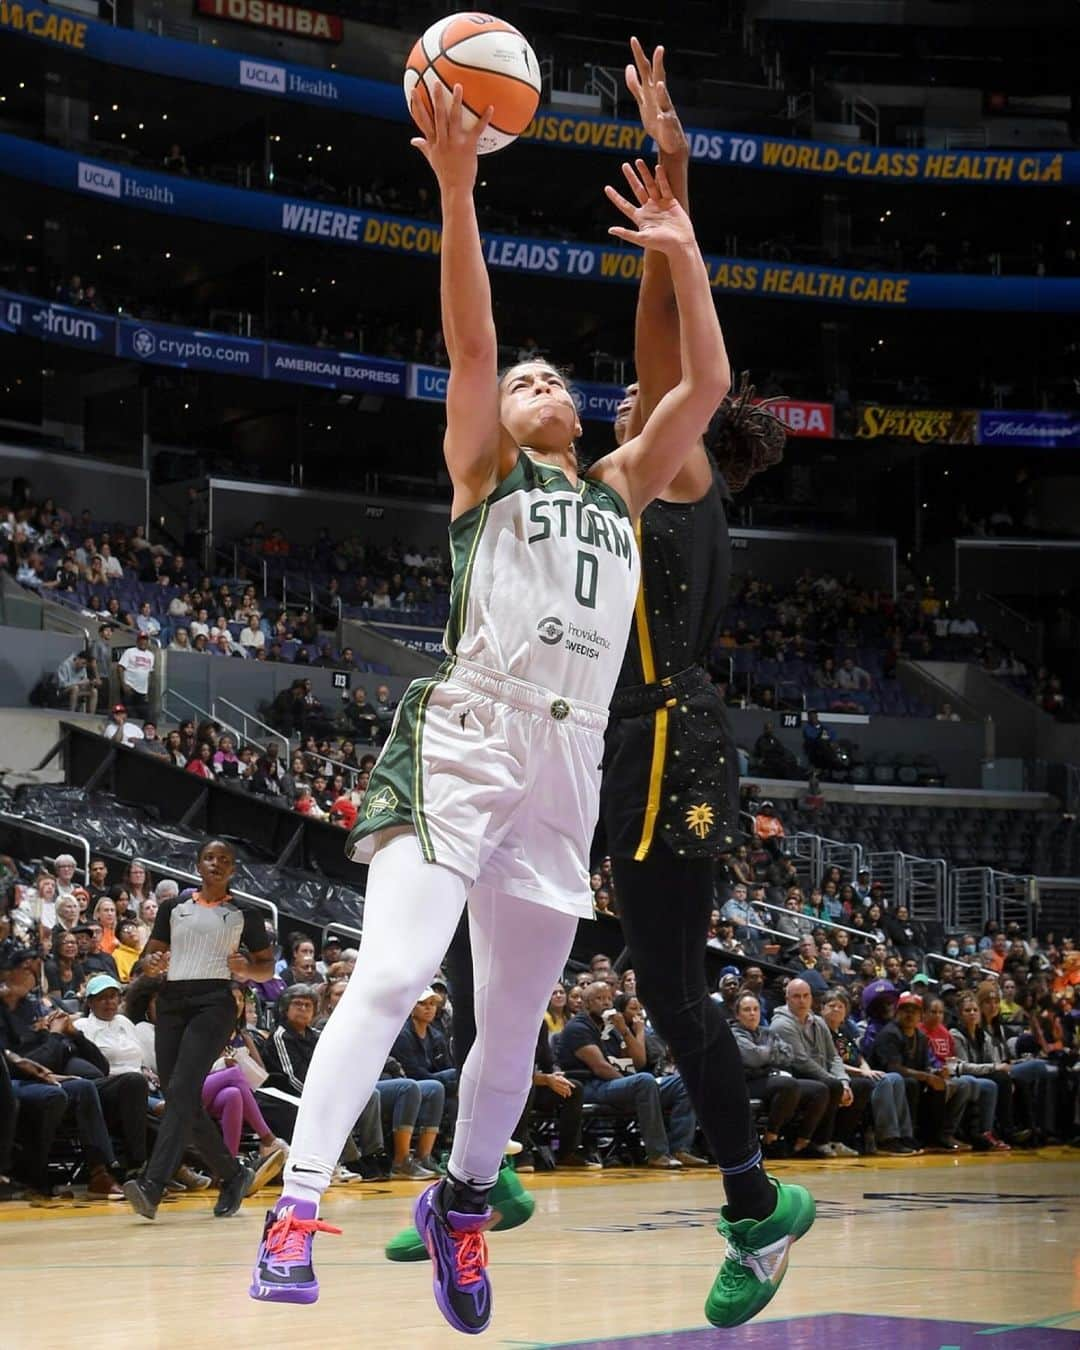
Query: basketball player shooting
487	789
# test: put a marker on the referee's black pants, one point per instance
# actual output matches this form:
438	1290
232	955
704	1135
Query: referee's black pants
664	904
193	1022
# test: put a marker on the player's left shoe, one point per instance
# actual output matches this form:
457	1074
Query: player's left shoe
511	1206
757	1256
458	1250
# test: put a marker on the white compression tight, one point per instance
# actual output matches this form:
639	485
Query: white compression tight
410	912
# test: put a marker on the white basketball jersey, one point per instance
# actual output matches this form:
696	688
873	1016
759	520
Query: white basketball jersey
545	580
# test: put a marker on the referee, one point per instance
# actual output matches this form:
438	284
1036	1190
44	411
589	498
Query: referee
197	939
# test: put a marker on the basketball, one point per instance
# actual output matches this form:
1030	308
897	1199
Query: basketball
492	62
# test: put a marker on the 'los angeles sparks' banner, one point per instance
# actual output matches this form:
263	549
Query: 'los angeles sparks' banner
262	76
173	195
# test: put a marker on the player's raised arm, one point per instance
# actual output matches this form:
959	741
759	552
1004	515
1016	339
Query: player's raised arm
656	325
644	466
471	446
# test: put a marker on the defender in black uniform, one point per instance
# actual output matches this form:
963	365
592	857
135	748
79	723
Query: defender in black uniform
669	799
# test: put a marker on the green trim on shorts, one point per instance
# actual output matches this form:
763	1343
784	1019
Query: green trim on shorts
394	796
464	543
419	818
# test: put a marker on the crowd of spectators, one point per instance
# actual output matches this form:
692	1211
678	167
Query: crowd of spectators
857	1035
830	644
324	778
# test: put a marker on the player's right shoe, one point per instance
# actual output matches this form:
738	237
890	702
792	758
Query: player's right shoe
458	1250
757	1256
511	1206
284	1271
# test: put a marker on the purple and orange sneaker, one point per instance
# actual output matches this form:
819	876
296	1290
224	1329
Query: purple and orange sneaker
458	1251
284	1272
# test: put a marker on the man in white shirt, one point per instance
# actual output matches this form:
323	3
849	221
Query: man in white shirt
111	566
253	636
136	667
145	621
118	728
199	626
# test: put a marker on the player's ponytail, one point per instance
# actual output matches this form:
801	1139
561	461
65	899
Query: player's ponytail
744	437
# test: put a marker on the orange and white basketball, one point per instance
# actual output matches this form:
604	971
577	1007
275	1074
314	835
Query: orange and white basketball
492	62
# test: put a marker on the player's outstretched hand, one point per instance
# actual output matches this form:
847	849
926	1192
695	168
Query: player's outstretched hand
660	221
447	144
647	82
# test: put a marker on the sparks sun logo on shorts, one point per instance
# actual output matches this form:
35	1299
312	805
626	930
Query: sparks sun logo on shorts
550	630
383	803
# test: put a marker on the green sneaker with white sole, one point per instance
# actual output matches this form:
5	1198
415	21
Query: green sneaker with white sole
508	1198
757	1256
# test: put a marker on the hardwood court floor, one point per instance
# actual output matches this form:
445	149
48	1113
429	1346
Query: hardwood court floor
615	1257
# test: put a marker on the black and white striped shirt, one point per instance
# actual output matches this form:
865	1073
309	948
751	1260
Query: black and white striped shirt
201	938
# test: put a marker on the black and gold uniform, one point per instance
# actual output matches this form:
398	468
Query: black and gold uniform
670	766
669	800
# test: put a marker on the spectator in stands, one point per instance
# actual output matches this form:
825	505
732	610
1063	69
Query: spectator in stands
287	1057
769	829
98	878
768	1064
589	1048
77	683
301	967
974	1055
360	717
64	973
853	678
421	1048
151	744
727	990
907	935
94	959
814	1056
818	742
201	764
226	761
35	1052
791	922
771	757
946	713
888	1096
806	964
136	667
105	918
68	915
1034	1076
252	636
128	947
558	1013
938	1104
982	1086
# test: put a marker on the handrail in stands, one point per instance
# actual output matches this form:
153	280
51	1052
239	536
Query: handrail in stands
344	928
250	717
36	827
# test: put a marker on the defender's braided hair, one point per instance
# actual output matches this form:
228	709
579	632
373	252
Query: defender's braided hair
744	438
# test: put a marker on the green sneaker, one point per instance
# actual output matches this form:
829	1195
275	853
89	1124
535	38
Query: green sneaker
512	1205
757	1257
